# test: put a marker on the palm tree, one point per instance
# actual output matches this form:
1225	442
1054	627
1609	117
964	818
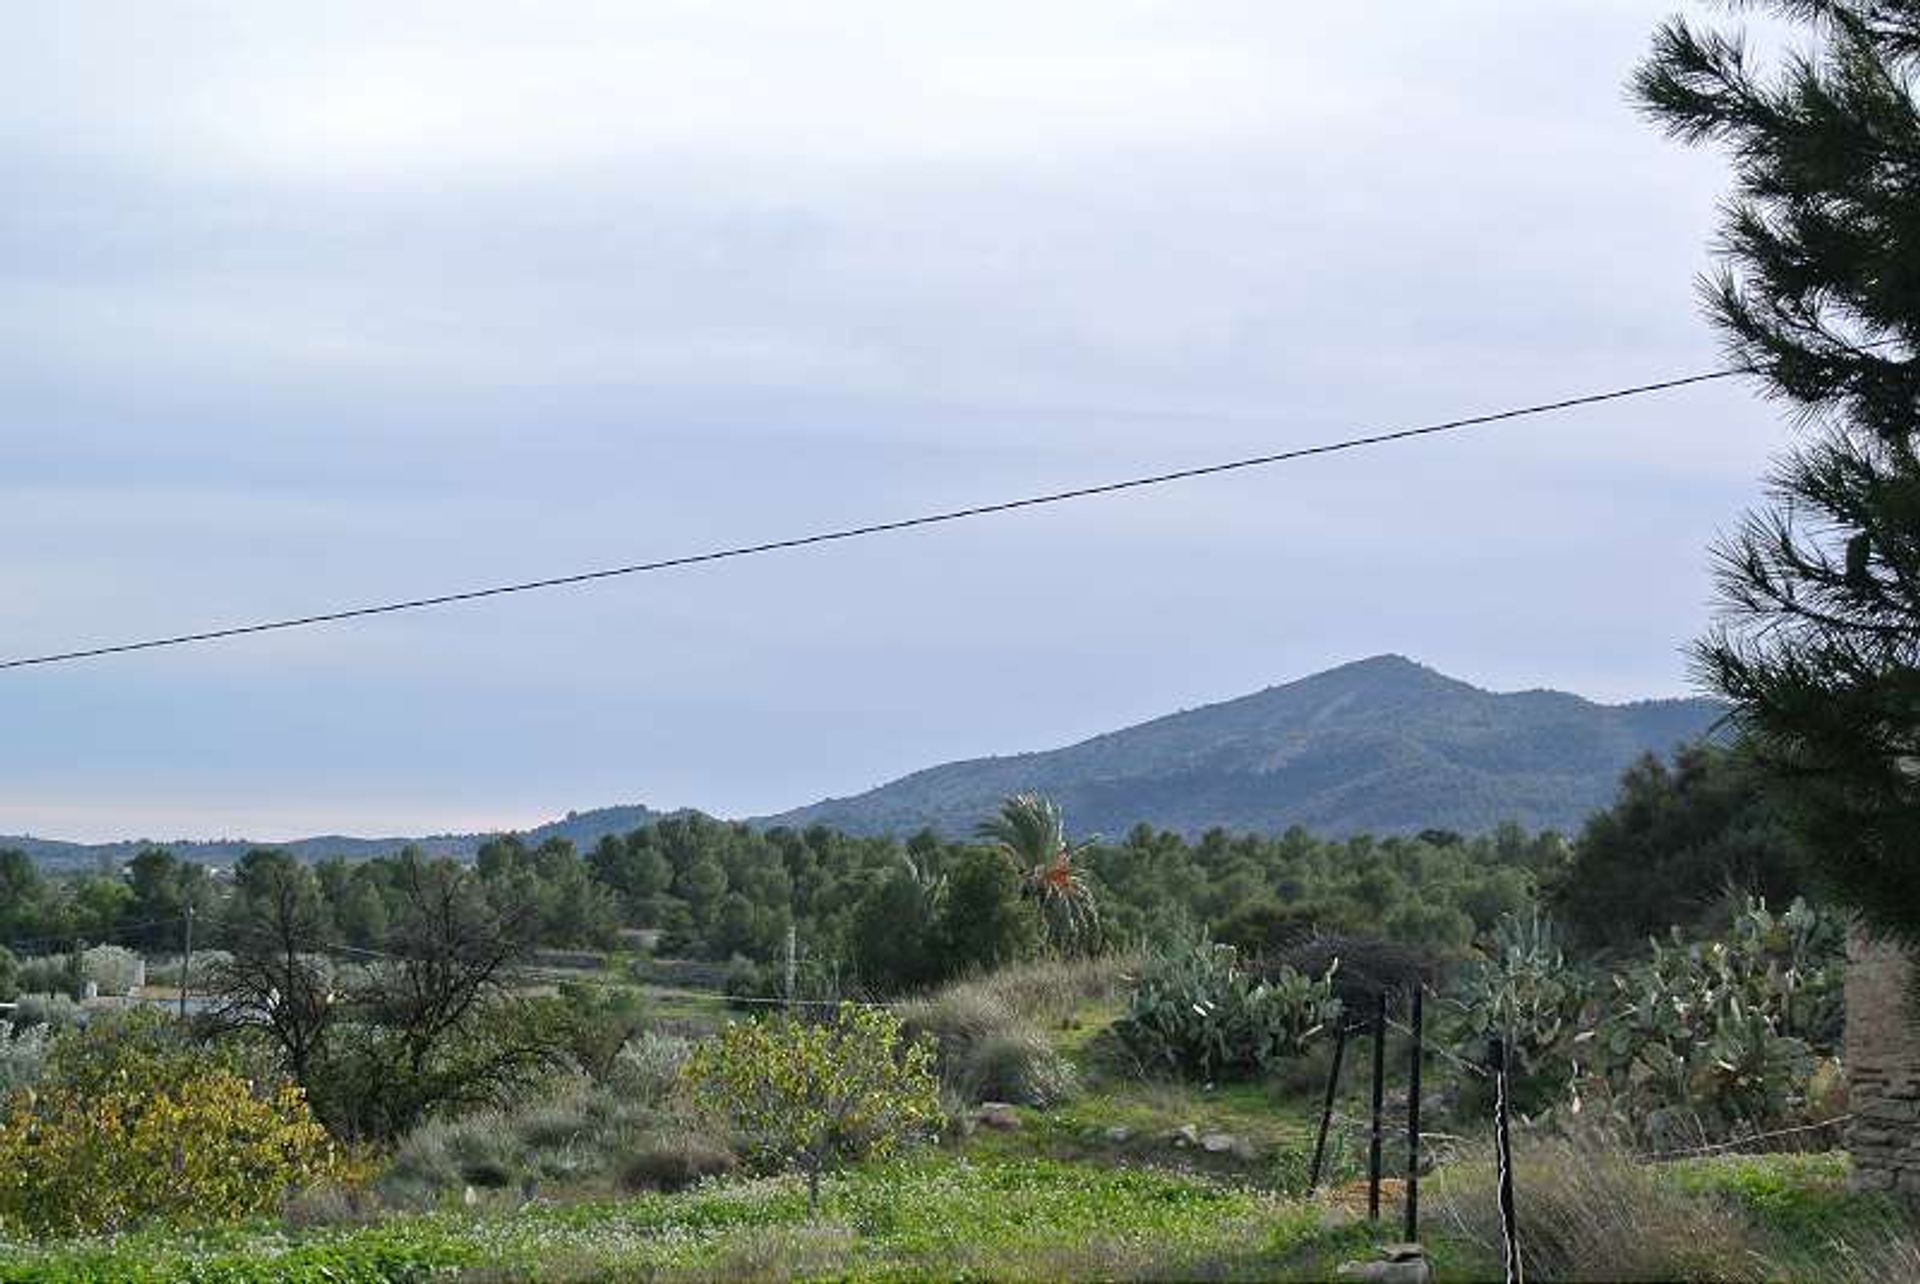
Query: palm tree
1031	833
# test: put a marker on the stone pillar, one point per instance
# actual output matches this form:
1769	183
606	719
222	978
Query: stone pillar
1883	1068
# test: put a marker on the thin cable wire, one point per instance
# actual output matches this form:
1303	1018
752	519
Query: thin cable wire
874	528
1737	1142
91	938
1434	1049
558	976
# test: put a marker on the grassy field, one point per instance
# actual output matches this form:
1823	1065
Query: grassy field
1108	1184
938	1216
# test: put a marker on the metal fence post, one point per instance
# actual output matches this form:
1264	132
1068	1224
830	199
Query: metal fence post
1326	1107
1413	1120
1379	1089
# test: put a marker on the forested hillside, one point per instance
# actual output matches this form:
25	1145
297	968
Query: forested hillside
1378	746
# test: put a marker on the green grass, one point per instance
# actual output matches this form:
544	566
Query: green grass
1798	1204
937	1216
1059	1198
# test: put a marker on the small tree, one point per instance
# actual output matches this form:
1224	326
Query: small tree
811	1096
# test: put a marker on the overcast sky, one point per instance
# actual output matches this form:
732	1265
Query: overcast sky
305	306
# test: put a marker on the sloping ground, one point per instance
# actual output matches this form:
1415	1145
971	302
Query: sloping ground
1382	745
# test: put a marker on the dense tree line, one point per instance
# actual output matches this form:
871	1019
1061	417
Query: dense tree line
891	915
1683	841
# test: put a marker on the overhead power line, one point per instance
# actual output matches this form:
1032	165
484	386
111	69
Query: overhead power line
876	528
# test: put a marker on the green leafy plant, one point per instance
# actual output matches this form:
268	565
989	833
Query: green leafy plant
812	1095
1521	989
1705	1040
129	1124
1201	1013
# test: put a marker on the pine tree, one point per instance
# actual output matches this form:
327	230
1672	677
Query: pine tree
1818	292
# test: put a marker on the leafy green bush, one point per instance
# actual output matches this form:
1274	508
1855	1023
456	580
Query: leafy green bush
812	1095
1201	1013
131	1122
47	974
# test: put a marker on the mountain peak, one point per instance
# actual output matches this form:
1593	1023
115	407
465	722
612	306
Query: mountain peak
1384	744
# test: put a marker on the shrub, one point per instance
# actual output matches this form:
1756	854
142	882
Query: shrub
55	1012
984	1051
648	1067
578	1135
811	1095
23	1050
206	964
131	1123
1201	1013
114	968
596	1023
674	1162
1701	1041
1708	1040
48	974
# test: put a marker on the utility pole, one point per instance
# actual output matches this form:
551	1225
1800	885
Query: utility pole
793	950
186	961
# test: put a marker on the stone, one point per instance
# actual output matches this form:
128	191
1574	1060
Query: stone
998	1114
1397	1264
1882	1059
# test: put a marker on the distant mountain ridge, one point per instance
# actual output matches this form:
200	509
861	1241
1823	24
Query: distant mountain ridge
583	829
1382	745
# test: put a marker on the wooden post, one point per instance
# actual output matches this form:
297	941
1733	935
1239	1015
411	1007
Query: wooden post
1413	1120
186	962
1379	1089
1326	1107
1503	1156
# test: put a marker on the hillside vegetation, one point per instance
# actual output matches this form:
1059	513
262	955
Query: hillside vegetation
1381	746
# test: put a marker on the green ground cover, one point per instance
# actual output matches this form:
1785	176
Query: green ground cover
1096	1187
937	1216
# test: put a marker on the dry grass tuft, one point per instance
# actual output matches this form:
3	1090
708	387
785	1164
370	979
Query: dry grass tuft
1588	1213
